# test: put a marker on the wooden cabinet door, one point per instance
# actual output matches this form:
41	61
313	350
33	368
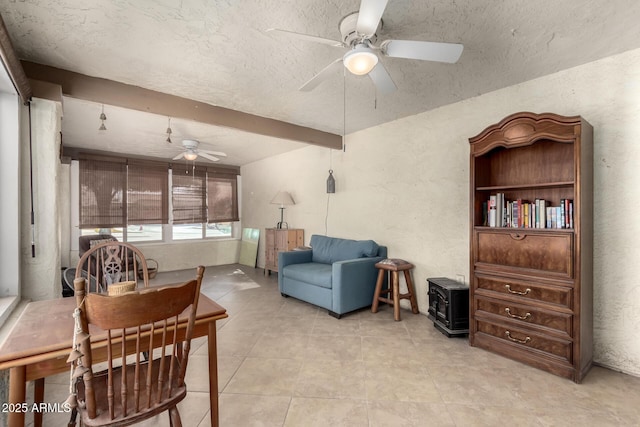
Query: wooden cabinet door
280	240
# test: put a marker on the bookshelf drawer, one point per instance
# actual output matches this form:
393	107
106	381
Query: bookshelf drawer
543	253
527	315
523	291
527	339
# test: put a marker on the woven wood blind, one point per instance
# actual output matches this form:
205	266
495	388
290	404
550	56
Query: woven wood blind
147	192
222	196
102	192
189	194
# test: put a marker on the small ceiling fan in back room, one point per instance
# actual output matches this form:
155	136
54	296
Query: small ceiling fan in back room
359	32
190	151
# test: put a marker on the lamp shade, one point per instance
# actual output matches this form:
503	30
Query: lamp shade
283	198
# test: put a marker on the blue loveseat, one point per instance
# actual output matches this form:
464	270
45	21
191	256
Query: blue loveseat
336	274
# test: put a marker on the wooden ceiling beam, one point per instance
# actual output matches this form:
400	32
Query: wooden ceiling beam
103	91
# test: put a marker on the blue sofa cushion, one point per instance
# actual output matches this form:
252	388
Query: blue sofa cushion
328	250
314	273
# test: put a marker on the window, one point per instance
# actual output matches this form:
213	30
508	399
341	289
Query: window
205	202
129	199
134	215
219	229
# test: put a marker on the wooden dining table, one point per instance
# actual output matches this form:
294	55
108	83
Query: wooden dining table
41	339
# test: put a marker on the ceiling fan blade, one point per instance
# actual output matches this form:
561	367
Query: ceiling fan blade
369	16
320	77
213	153
426	51
179	156
208	156
309	37
382	79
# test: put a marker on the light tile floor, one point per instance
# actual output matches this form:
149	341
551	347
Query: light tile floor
283	362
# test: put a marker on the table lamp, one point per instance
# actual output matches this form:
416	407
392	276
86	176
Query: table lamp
282	198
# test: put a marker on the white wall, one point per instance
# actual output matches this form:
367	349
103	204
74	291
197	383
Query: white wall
405	184
41	274
185	256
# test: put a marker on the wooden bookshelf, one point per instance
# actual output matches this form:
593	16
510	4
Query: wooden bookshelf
531	290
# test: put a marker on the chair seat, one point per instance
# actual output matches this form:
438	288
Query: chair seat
100	389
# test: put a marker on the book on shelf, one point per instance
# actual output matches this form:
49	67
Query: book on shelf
492	211
485	214
570	213
520	213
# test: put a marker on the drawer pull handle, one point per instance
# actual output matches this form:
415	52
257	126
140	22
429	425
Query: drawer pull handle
517	236
515	316
526	291
524	341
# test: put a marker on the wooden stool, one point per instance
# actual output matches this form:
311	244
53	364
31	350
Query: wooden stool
393	266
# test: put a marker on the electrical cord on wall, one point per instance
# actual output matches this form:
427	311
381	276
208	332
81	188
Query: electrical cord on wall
344	140
326	218
33	215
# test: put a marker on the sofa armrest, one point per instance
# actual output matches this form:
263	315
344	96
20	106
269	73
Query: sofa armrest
288	258
293	257
354	283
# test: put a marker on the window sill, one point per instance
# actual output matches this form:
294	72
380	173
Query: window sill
7	315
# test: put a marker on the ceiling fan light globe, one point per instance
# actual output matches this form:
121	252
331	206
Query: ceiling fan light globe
190	155
360	60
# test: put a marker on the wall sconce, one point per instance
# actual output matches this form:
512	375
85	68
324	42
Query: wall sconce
331	183
282	198
103	117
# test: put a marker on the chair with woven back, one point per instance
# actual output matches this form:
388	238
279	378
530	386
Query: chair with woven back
130	389
110	263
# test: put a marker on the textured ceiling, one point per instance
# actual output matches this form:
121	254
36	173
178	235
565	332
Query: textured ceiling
218	52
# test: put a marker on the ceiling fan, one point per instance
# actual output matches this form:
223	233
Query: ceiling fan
191	152
359	34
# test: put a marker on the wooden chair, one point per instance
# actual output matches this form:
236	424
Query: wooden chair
112	262
127	393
